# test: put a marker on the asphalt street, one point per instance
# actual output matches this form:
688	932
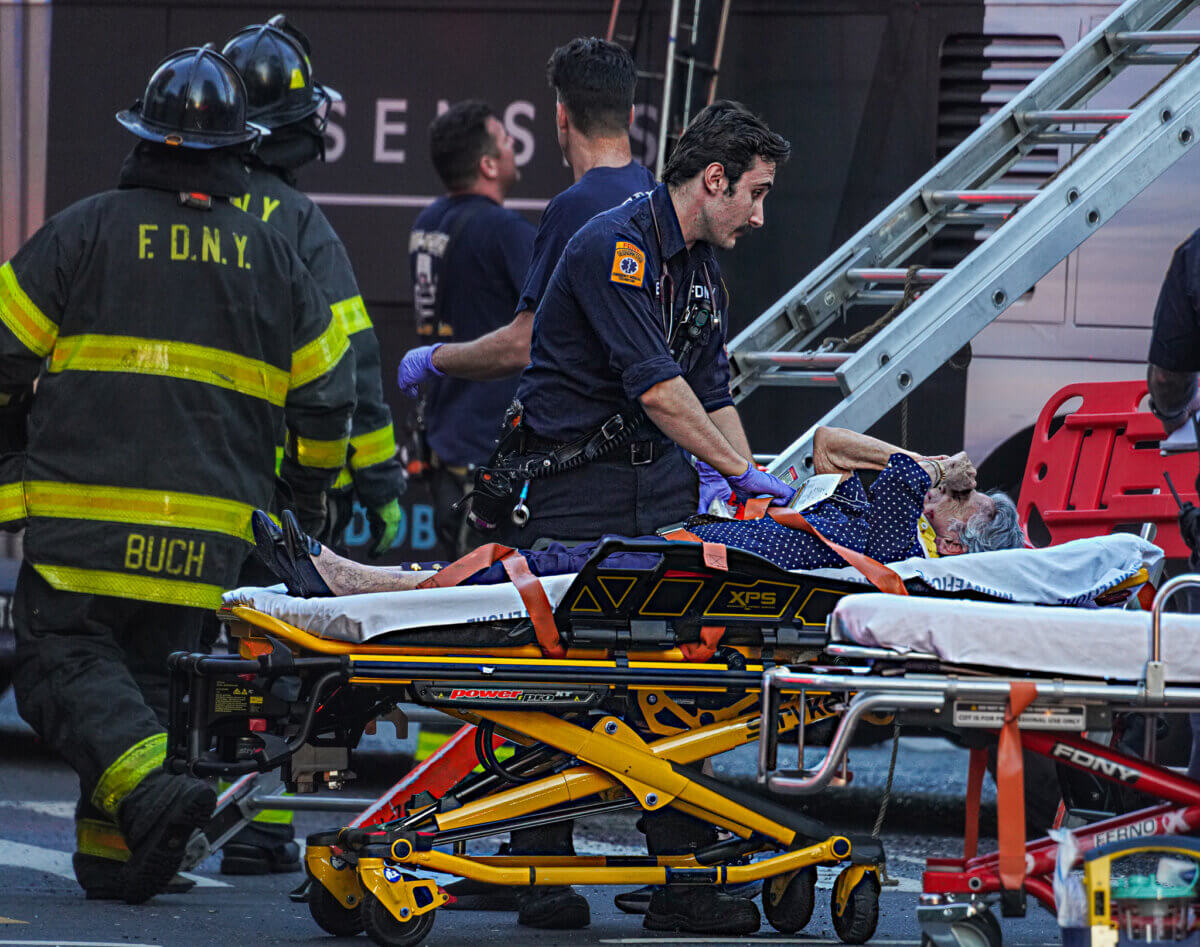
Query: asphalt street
41	904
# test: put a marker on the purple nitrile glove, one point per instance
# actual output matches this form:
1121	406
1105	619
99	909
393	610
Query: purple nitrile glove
712	486
417	366
755	483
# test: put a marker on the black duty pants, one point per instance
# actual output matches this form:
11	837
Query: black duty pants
613	495
609	495
91	674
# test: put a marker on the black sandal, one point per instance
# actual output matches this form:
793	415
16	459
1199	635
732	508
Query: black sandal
302	549
288	561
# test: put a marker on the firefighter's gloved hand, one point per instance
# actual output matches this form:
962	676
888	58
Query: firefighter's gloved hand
756	483
384	522
417	366
713	487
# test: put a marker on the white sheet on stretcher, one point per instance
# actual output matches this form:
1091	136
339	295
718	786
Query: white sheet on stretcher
1072	642
1076	571
360	618
1071	574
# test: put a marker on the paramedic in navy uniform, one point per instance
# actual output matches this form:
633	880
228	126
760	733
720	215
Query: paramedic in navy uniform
629	282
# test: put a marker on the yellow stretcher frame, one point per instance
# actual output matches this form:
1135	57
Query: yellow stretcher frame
613	759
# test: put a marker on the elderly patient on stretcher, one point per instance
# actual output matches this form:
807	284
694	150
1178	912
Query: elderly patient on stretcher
918	506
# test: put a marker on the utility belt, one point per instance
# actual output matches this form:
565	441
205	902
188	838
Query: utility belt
522	455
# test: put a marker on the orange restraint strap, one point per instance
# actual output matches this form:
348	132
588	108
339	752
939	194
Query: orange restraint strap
479	558
975	770
536	603
879	575
526	583
1010	788
715	557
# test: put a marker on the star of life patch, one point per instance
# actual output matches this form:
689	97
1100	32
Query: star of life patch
629	264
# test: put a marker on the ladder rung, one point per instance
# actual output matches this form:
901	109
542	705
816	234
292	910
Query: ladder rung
998	196
874	297
980	218
1063	138
1074	116
798	380
893	275
808	360
1153	59
1155	37
699	64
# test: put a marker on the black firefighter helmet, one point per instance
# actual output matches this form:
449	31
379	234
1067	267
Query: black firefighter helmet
272	58
194	99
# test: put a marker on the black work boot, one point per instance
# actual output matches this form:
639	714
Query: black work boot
103	879
638	900
552	907
157	818
700	909
261	848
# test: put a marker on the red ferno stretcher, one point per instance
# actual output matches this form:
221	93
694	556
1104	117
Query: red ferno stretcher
1094	471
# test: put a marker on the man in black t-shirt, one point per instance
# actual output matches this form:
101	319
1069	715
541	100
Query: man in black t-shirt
467	259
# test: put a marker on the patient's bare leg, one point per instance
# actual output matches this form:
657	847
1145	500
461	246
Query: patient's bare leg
347	577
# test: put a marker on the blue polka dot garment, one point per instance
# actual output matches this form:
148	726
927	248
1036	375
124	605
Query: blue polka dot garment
883	525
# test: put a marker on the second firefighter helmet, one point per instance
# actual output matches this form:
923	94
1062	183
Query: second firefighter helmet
273	59
194	99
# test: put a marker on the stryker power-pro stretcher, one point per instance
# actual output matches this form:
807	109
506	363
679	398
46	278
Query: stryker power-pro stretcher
610	684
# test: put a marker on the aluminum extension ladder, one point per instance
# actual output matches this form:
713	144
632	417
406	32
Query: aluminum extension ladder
705	28
1029	231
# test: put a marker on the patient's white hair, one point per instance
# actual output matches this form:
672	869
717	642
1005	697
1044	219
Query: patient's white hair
1000	530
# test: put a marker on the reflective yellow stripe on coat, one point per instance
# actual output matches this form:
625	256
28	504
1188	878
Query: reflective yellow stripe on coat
83	501
373	448
326	454
22	316
141	588
311	361
351	315
183	360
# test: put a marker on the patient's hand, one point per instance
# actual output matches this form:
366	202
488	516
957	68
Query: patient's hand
960	473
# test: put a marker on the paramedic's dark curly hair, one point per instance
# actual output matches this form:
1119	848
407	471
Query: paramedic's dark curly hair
594	79
730	134
458	138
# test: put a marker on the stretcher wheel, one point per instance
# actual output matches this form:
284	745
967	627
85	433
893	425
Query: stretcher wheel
331	915
983	930
858	921
384	929
788	900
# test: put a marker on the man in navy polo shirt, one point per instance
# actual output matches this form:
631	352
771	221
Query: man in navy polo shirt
594	82
467	256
